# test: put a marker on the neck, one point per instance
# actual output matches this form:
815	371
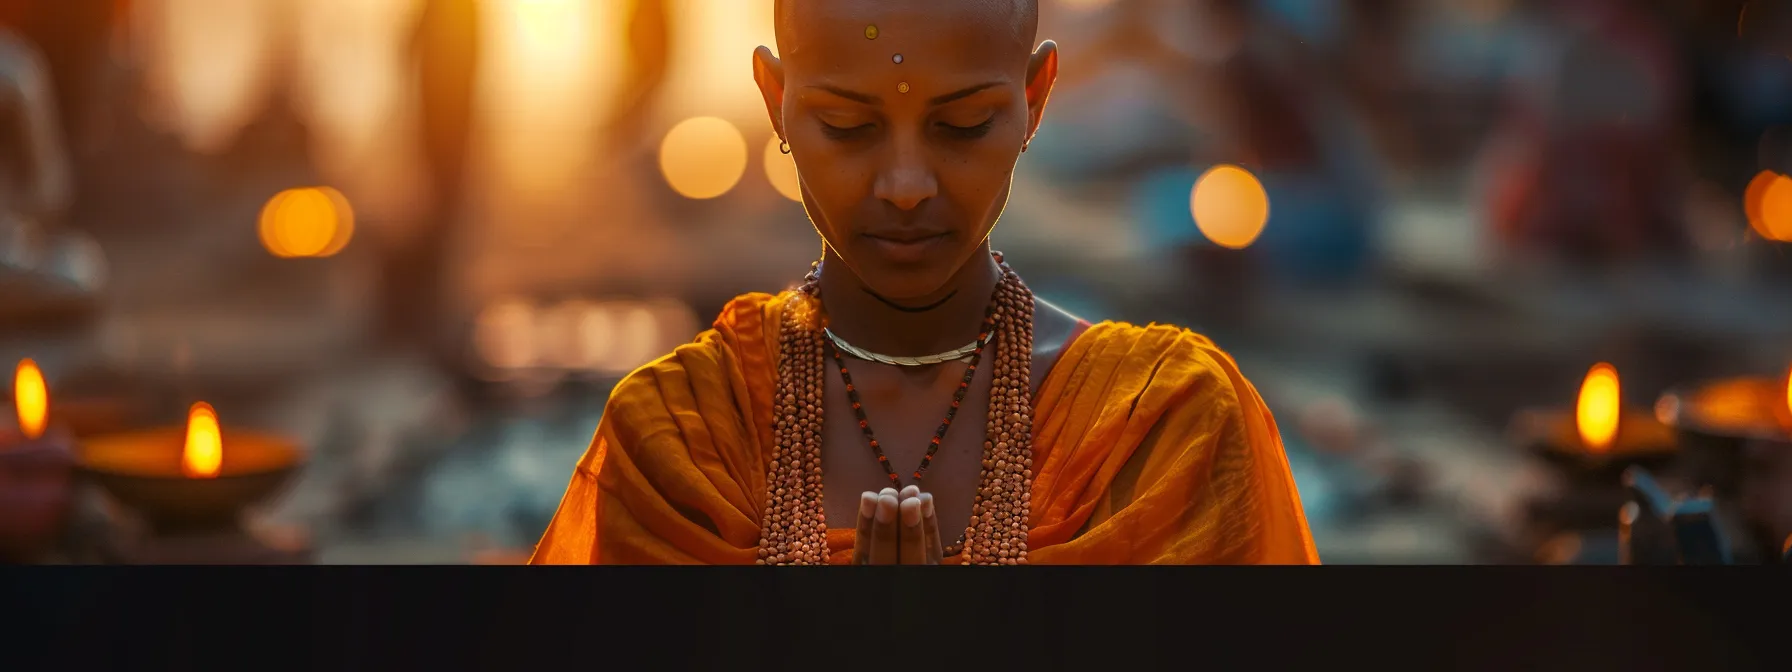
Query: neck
914	326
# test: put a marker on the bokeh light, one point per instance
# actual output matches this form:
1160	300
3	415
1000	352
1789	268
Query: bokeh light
780	169
31	397
204	451
306	222
1776	210
1598	409
208	65
1230	206
703	157
504	334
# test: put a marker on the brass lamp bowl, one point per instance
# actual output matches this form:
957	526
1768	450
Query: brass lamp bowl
142	470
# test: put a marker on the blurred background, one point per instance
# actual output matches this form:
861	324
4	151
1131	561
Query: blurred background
423	238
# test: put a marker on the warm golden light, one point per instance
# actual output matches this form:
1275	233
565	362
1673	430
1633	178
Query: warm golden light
548	76
780	170
203	454
504	335
1789	391
306	222
703	157
207	65
553	26
1776	210
32	397
1230	206
1599	407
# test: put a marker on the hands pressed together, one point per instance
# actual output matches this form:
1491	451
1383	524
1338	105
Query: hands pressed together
897	528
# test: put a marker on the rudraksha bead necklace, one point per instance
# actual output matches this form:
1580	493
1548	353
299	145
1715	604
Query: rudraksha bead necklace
793	528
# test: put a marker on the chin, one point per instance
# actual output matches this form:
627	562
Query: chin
906	279
904	283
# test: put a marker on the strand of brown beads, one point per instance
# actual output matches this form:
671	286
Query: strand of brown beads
1003	506
793	530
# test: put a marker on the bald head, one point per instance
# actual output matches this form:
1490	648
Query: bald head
905	119
1017	19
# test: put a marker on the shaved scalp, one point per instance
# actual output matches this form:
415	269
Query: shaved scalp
1022	16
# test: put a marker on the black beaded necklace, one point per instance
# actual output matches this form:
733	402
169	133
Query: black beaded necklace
933	446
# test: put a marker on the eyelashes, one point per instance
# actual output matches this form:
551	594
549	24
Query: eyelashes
862	131
853	133
970	132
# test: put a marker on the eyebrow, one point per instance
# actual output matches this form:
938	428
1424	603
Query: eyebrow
935	101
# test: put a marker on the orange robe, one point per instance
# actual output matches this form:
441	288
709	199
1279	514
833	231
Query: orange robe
1152	448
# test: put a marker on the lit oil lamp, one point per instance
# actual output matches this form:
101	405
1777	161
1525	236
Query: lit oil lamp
1601	437
1738	438
36	470
195	481
1589	448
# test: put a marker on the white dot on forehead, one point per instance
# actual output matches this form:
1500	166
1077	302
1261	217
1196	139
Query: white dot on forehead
897	58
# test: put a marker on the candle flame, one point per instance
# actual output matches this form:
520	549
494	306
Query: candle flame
204	452
1599	407
1789	390
32	397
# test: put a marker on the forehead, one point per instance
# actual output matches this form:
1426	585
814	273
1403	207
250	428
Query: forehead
835	37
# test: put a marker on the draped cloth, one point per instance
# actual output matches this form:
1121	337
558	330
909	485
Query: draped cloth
1151	448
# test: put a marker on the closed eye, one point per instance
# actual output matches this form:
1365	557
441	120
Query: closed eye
969	132
845	133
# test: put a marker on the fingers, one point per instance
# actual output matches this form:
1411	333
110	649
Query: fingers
913	543
884	529
930	530
862	538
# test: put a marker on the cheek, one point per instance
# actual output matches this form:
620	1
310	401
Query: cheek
833	186
977	181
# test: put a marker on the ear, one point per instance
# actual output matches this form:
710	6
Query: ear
1042	73
768	71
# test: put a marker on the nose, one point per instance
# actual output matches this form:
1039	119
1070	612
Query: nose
906	180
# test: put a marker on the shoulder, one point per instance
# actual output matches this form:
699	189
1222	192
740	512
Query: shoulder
1155	369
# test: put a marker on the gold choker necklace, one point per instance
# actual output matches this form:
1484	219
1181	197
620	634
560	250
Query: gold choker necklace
960	354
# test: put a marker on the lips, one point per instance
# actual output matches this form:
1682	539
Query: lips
906	237
907	247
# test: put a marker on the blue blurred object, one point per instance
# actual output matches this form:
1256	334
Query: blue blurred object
1316	21
1161	211
1318	230
1663	531
1755	86
1321	497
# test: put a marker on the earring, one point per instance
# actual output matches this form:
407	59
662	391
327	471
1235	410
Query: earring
783	147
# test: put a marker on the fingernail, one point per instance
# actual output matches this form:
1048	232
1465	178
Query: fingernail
867	504
927	504
911	512
886	509
888	492
910	491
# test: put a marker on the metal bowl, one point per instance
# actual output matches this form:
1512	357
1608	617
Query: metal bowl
142	471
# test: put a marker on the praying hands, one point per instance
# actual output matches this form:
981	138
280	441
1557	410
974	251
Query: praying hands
897	528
